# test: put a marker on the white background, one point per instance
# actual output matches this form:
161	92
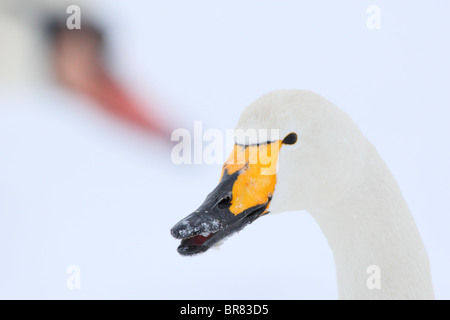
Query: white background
78	188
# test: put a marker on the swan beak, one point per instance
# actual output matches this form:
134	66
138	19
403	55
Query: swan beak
213	221
242	195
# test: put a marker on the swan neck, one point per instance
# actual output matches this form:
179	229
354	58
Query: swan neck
376	245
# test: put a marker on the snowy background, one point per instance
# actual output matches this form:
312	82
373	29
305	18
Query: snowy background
80	188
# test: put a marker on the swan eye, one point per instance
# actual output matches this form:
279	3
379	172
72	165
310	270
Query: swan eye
225	202
291	138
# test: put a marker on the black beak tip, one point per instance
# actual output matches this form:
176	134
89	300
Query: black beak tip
186	250
173	233
176	231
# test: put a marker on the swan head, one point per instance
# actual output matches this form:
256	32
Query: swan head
294	151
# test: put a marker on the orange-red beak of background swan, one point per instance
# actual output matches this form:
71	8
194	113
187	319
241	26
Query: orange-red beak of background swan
242	195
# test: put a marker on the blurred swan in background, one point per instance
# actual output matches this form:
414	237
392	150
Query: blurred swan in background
38	48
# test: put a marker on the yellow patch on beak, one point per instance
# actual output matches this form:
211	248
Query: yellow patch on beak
257	174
